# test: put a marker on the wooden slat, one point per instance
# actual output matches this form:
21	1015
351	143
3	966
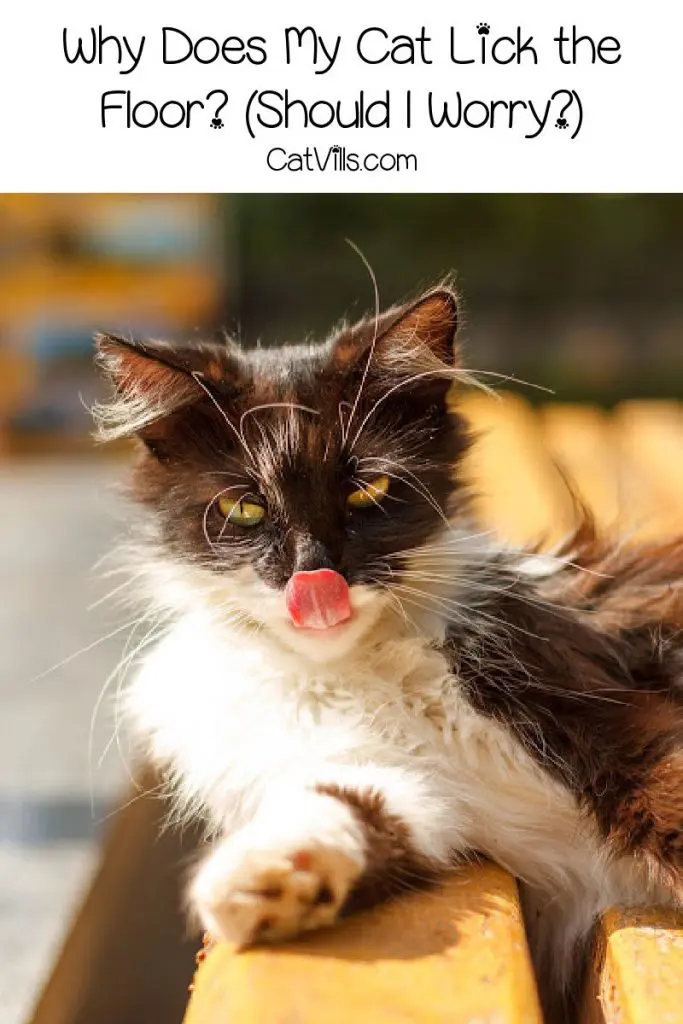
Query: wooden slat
582	440
127	958
520	491
458	956
651	449
638	970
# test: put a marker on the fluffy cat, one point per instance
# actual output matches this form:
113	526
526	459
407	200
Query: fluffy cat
359	687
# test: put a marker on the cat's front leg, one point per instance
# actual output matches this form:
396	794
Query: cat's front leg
309	854
290	870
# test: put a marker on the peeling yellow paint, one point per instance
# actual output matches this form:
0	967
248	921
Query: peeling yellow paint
457	956
639	967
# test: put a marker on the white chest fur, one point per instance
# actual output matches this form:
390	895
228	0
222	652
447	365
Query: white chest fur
233	716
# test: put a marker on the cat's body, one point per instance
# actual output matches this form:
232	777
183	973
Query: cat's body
470	700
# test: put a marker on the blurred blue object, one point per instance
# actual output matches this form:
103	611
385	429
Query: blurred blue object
51	342
149	232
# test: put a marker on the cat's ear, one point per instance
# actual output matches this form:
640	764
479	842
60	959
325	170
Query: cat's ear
431	322
155	380
424	328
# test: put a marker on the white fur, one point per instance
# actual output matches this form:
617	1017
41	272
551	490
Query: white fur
252	885
248	716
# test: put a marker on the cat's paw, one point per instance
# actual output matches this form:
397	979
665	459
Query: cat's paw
278	877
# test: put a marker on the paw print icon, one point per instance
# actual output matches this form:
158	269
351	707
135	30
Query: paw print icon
562	122
483	28
216	122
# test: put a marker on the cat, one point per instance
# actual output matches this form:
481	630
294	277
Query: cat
357	685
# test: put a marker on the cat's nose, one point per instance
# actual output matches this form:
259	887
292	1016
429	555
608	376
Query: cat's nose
311	554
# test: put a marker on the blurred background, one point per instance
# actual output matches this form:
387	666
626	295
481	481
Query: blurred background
579	294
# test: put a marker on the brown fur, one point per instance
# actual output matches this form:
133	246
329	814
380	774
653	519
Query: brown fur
593	687
393	863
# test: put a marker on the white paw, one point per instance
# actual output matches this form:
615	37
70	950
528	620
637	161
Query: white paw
288	872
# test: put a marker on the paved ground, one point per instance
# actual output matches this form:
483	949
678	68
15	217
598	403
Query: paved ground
56	520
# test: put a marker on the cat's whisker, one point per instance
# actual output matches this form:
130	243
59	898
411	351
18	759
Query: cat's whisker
116	590
387	588
141	795
390	391
238	434
371	353
361	487
416	597
83	650
454	373
107	683
265	440
450	544
466	611
154	634
423	492
276	405
476	584
340	416
207	510
471	375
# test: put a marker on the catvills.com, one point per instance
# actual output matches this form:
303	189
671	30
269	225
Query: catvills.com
338	159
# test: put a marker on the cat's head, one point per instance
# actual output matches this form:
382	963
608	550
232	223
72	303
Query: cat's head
289	483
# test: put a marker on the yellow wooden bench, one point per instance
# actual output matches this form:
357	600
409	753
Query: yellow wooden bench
458	954
452	957
637	971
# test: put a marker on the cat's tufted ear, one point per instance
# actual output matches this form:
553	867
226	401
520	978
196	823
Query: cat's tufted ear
154	380
431	322
424	328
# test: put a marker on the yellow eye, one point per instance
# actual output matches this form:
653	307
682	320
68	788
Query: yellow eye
242	513
369	494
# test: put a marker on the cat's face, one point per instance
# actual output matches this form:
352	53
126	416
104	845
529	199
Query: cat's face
296	479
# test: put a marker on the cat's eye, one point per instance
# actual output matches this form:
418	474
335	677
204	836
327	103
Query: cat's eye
242	513
369	494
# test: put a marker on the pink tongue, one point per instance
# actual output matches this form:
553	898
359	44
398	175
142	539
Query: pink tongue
318	599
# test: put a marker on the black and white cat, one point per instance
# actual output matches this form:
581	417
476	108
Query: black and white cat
357	685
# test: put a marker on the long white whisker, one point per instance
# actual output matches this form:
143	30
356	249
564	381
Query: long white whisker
508	378
138	796
423	492
340	414
449	546
397	600
476	584
445	371
361	487
466	612
196	376
83	650
151	636
93	717
112	593
374	338
276	405
208	509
